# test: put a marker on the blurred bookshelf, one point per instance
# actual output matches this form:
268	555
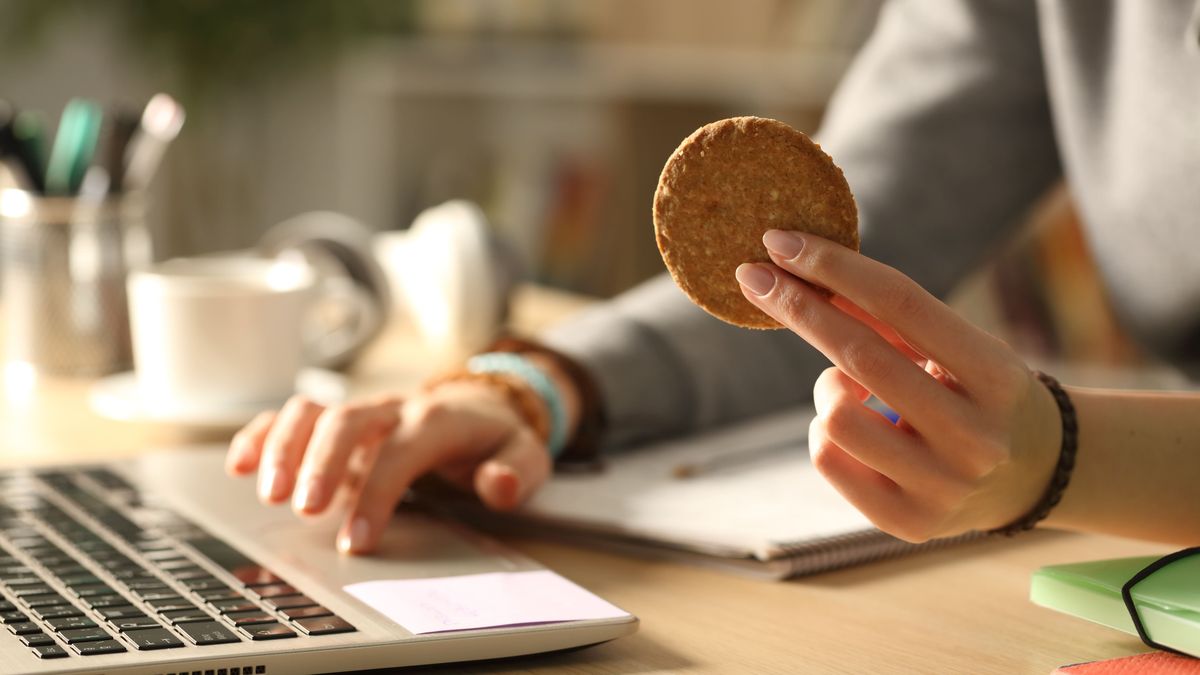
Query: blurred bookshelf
558	116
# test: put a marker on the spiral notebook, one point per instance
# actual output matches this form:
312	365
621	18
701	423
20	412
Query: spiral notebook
743	498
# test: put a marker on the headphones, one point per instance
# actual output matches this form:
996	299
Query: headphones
447	274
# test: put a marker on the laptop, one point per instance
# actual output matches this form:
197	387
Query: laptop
163	565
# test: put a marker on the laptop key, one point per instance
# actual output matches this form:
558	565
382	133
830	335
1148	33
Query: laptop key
77	635
63	623
120	612
36	640
268	631
289	601
92	590
98	647
204	583
13	616
275	590
168	553
23	628
294	613
178	616
248	618
6	606
44	600
102	601
36	589
173	602
190	573
134	623
219	594
50	652
83	579
325	625
237	605
27	579
207	633
153	638
55	612
139	578
163	594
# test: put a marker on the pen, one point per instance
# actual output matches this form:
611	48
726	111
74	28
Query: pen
20	146
29	128
13	170
161	121
686	470
115	143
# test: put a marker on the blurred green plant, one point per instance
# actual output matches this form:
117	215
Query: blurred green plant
211	44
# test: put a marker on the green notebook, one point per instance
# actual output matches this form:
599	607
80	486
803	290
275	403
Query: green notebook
1168	601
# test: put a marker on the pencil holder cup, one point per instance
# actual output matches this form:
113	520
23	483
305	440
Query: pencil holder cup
63	263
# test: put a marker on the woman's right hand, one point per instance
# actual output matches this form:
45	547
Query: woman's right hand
466	432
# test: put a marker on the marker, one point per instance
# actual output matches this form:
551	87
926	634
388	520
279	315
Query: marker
74	146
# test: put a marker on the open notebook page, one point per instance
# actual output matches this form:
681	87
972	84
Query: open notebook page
771	497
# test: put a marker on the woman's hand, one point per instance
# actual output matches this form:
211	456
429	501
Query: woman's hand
467	432
978	437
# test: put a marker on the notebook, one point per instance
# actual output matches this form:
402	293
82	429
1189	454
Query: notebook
1168	601
164	565
743	498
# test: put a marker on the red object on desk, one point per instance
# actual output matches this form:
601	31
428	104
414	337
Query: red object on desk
1150	663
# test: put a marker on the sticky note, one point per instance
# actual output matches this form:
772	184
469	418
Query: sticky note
469	601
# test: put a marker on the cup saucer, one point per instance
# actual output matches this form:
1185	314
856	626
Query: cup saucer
118	397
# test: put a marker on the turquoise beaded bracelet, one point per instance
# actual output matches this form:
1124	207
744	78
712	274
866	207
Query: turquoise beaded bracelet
525	370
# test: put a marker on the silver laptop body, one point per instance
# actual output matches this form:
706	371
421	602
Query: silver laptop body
176	509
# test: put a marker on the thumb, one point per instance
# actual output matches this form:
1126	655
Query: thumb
506	479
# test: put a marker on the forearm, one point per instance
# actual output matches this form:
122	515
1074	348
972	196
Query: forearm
1137	468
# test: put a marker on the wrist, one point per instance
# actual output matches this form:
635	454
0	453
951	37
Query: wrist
571	399
503	389
1052	456
520	368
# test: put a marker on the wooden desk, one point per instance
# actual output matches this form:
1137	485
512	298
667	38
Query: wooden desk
961	610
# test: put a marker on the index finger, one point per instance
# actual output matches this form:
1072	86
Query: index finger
931	327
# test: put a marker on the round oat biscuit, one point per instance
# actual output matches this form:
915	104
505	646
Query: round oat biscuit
724	187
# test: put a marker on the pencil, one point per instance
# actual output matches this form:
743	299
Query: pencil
686	470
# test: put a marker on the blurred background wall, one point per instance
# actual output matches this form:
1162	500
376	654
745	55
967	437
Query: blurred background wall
555	115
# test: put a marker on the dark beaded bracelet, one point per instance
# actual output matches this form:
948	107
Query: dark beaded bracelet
1062	472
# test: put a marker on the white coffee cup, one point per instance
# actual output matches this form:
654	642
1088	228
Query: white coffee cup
229	331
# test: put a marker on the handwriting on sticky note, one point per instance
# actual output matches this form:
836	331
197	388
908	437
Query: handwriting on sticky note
482	601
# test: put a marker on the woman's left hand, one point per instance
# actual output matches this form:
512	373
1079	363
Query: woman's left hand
978	435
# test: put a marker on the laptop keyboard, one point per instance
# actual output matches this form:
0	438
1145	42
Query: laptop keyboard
89	566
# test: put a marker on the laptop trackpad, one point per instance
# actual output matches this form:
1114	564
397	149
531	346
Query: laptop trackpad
416	545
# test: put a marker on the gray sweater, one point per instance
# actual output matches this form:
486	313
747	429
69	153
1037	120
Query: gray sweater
955	117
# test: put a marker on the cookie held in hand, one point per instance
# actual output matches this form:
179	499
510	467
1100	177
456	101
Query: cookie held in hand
724	187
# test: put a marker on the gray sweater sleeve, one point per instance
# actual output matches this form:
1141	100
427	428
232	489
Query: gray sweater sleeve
943	130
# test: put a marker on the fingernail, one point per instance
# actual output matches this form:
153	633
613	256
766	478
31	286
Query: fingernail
784	243
354	539
266	483
757	278
309	495
275	485
508	485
